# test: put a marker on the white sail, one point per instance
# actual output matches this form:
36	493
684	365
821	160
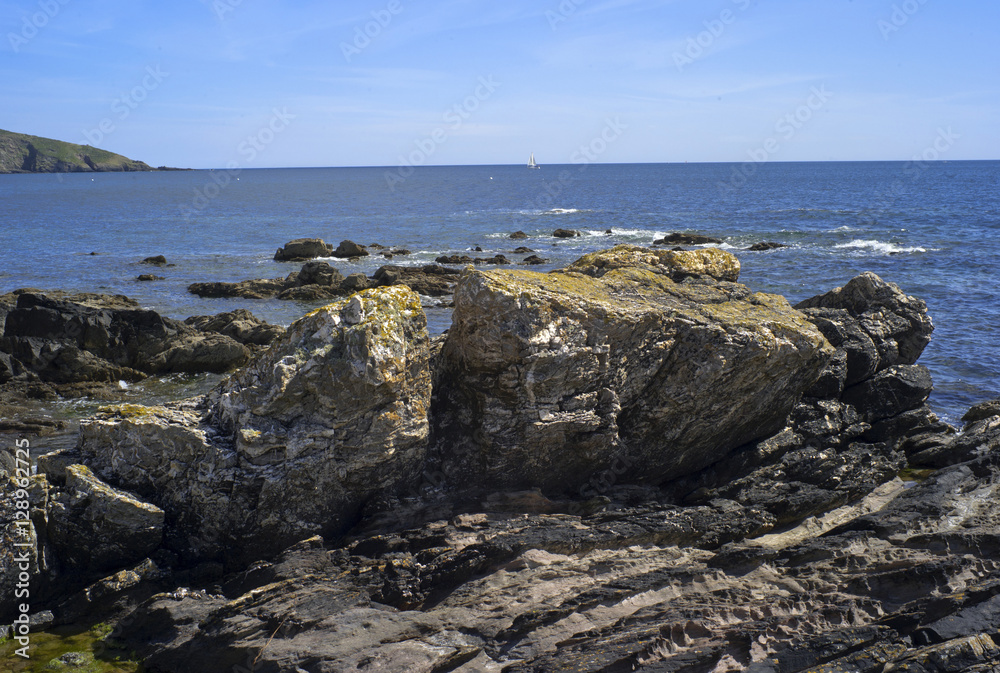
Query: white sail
531	161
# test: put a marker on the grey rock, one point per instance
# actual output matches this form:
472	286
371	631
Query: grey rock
290	446
95	527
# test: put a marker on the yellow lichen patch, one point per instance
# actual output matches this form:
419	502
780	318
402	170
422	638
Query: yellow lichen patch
711	262
129	411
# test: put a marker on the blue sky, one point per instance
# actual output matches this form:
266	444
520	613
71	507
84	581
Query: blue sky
205	83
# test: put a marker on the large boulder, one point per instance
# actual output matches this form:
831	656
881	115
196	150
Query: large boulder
291	446
302	249
548	379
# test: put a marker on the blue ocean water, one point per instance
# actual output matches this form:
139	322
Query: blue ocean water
931	228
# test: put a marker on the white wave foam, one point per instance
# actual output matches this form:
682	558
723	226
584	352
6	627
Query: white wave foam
561	211
880	247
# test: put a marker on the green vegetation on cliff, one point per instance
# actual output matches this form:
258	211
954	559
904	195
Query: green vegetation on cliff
21	153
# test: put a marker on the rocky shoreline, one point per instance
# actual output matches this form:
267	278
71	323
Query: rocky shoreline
631	463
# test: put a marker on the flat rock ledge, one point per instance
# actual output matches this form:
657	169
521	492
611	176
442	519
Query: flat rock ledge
631	464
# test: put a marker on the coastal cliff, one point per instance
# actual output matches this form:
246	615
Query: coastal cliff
20	153
632	463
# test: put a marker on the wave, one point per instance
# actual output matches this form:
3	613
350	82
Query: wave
562	211
880	247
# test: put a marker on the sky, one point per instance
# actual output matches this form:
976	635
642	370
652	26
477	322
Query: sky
249	83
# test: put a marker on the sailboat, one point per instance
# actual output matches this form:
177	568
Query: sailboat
531	161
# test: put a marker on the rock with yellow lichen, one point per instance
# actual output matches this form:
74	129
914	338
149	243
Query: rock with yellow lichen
678	264
612	366
290	446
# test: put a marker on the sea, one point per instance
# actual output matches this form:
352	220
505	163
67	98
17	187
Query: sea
932	228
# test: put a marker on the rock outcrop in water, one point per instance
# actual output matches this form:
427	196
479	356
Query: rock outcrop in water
635	464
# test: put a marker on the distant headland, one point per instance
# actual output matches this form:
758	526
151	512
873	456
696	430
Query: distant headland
20	153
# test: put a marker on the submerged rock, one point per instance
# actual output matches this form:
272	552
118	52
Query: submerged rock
547	379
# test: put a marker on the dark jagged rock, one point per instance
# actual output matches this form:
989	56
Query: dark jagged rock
145	277
518	235
302	249
522	250
158	260
687	239
874	322
93	527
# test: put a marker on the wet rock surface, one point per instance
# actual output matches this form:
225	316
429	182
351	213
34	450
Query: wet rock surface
594	482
